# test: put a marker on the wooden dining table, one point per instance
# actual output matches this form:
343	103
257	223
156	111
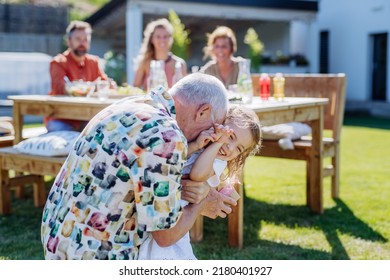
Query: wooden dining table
305	109
290	109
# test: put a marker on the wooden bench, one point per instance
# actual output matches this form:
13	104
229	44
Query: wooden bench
35	166
8	139
6	126
331	86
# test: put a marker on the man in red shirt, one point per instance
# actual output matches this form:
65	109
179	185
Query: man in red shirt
73	64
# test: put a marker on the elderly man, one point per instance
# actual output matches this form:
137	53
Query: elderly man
74	64
122	180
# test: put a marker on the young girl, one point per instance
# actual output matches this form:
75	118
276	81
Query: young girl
219	149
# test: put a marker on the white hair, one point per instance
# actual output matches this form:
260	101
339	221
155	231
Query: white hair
198	89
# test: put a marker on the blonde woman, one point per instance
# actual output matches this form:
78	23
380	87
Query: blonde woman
221	46
157	45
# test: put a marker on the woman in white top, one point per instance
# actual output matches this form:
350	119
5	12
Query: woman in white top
157	45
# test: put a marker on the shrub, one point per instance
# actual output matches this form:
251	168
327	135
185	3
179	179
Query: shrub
180	36
256	48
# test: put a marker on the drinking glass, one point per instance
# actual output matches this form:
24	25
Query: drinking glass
103	89
234	95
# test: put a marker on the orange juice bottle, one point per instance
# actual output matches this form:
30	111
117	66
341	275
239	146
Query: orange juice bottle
278	82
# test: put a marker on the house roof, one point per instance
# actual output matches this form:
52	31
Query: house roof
106	9
310	5
302	5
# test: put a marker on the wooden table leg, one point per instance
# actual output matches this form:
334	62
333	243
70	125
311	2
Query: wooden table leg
5	191
196	232
18	127
315	165
39	191
18	123
236	220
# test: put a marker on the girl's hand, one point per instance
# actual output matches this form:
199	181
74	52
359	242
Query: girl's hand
217	133
205	137
224	132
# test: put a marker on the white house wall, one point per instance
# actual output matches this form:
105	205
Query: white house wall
350	24
134	32
312	50
299	39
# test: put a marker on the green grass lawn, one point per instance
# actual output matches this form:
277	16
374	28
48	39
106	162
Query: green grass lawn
277	224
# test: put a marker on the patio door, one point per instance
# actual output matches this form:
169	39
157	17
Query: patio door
379	67
324	52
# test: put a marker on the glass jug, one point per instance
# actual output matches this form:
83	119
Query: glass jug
244	81
157	75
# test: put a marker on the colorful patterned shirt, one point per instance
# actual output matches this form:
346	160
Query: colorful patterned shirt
120	182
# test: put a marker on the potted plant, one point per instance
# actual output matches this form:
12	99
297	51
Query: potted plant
180	36
256	48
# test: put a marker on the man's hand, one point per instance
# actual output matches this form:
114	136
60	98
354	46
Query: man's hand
217	205
194	192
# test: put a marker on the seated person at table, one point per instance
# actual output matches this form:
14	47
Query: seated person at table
216	150
73	64
157	45
221	46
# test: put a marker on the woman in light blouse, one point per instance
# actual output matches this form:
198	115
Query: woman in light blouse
221	46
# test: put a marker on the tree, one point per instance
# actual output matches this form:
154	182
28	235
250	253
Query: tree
256	48
180	36
115	66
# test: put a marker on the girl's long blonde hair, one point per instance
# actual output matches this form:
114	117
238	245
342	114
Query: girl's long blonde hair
147	51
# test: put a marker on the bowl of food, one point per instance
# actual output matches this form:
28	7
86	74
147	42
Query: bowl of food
79	88
127	90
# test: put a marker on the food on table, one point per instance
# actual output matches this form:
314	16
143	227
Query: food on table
129	90
79	88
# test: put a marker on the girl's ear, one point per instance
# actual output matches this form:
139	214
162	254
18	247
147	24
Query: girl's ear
204	113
